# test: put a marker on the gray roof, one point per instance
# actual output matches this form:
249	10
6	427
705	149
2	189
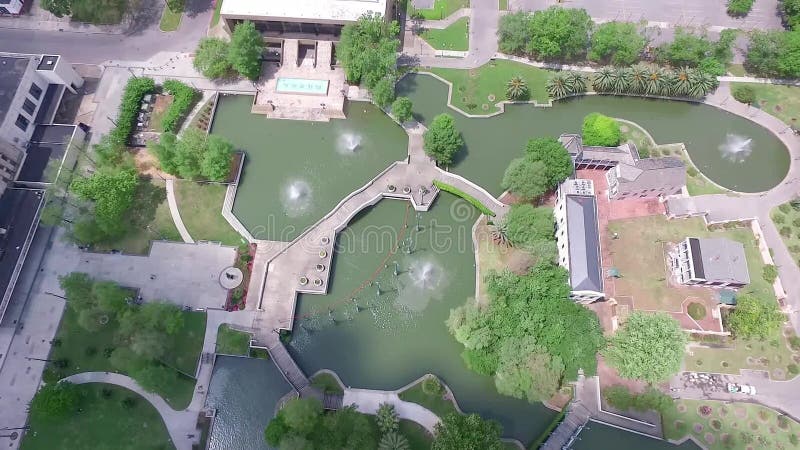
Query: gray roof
572	142
720	260
651	173
585	269
12	69
624	153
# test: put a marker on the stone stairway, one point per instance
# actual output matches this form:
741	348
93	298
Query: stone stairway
324	54
291	50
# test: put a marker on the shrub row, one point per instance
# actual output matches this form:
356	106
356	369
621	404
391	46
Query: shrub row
184	98
648	80
135	90
739	8
472	200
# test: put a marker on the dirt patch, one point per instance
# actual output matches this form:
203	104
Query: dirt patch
147	164
716	424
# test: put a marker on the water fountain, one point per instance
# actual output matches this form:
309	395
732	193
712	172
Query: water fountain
296	198
348	143
736	148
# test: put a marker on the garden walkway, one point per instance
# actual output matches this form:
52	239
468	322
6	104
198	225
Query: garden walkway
175	213
367	401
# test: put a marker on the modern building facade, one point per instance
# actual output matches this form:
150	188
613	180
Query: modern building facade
578	239
715	262
11	7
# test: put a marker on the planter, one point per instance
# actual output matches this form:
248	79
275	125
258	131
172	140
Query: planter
317	282
320	267
323	254
303	281
325	240
406	190
392	188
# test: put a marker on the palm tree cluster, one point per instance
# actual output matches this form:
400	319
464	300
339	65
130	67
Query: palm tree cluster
563	84
643	79
516	88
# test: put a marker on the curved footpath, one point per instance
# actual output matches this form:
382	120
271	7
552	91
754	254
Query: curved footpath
367	401
175	213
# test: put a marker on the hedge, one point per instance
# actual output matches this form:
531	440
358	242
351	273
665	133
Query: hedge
472	200
184	98
549	430
129	106
739	8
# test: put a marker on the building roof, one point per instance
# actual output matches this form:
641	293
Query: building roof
310	10
583	234
719	260
12	69
624	153
48	62
651	173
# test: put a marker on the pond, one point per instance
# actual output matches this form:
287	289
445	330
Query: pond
730	150
597	436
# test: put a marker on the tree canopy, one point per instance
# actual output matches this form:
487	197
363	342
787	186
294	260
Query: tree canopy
525	178
552	34
211	58
195	155
302	422
401	108
554	156
55	400
244	53
527	225
600	130
59	8
774	53
112	190
617	43
442	140
367	51
754	317
649	347
688	49
466	432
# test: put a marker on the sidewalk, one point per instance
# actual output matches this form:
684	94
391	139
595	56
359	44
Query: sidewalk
39	19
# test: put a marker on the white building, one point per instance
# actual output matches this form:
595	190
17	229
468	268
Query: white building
12	7
578	239
715	262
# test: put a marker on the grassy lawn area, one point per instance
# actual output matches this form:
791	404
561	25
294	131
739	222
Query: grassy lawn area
455	37
201	210
98	12
149	218
725	426
232	342
327	383
476	91
89	352
217	9
782	102
787	219
495	257
440	10
170	20
418	437
103	423
438	404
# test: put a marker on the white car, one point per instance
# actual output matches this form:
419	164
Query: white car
747	389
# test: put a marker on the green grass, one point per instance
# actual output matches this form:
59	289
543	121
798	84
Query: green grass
436	403
440	10
232	342
787	221
741	422
200	206
773	355
455	37
149	219
737	70
102	423
98	12
170	20
418	437
327	383
503	5
458	192
477	91
782	102
86	352
217	9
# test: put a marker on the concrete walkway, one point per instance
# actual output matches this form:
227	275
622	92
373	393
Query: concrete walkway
367	401
176	214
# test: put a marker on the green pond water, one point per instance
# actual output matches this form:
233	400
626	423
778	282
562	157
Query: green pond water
730	150
295	172
596	436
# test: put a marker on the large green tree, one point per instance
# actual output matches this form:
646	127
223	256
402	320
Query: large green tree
525	370
554	156
466	432
774	53
552	34
244	53
526	225
649	347
617	43
195	155
790	12
442	140
526	179
367	50
112	190
402	109
754	317
216	162
602	130
211	58
59	8
55	400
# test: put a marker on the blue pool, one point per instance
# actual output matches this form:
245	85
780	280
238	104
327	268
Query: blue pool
302	86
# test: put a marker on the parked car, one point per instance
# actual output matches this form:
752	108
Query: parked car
741	388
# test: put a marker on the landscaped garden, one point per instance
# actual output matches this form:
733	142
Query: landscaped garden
440	10
786	218
721	425
108	417
327	383
781	101
430	393
455	37
200	205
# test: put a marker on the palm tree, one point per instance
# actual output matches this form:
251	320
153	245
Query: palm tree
603	80
668	87
559	85
393	441
499	233
682	84
637	77
701	83
656	79
621	80
516	88
578	82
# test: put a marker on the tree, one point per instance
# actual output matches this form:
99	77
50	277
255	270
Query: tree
216	162
149	343
516	88
442	140
617	43
387	418
554	156
648	347
686	49
154	377
189	152
466	432
658	81
77	288
302	415
552	34
603	80
600	130
528	225
55	400
774	53
276	430
164	151
383	91
526	179
739	8
175	5
558	86
109	296
59	8
513	33
367	51
790	13
754	317
393	441
244	52
744	94
401	108
112	190
211	58
527	371
92	319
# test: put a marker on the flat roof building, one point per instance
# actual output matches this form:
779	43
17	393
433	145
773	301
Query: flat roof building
716	262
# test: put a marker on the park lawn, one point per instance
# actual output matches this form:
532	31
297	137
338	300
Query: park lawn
170	20
787	221
188	344
438	404
232	342
418	437
477	91
327	383
217	9
733	425
102	423
781	101
440	10
98	12
200	206
731	355
149	218
455	37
